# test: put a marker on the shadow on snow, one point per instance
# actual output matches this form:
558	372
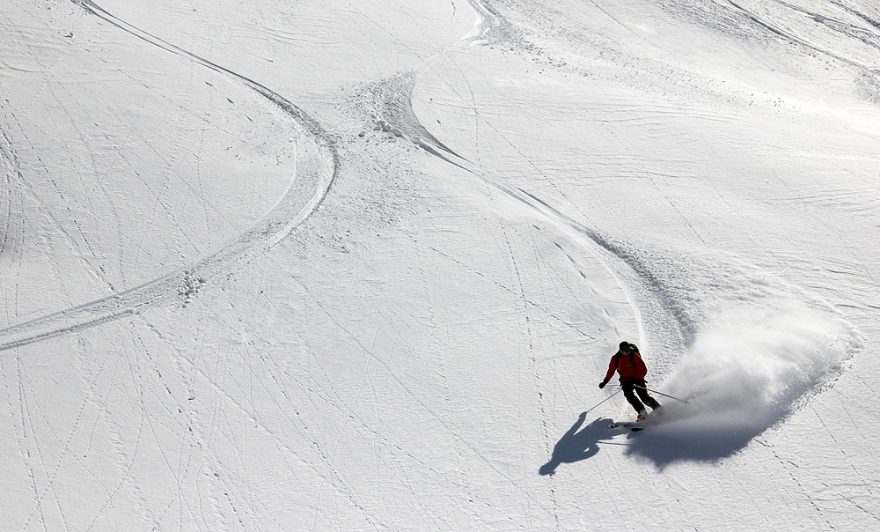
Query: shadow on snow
692	439
673	441
576	445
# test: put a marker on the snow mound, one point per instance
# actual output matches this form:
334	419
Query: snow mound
746	371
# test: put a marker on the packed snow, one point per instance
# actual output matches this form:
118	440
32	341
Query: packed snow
361	265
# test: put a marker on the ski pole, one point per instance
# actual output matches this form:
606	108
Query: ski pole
663	394
655	391
602	401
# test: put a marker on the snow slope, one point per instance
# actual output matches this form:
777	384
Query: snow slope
287	265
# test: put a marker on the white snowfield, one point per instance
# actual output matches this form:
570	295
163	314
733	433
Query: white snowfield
347	265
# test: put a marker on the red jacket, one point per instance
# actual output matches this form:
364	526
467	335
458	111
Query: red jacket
630	366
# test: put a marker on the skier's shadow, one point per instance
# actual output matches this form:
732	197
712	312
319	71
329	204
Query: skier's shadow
575	446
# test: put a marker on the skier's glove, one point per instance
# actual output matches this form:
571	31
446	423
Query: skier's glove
602	385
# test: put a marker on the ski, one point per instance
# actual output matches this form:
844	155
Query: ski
633	426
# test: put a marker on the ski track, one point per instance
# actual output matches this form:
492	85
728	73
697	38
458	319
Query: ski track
9	168
613	256
631	275
621	263
274	226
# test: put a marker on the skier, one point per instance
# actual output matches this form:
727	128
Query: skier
629	364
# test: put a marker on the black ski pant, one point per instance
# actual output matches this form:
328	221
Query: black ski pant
631	388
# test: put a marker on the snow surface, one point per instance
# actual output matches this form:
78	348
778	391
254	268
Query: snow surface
359	265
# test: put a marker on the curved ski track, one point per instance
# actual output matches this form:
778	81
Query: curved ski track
604	249
317	164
